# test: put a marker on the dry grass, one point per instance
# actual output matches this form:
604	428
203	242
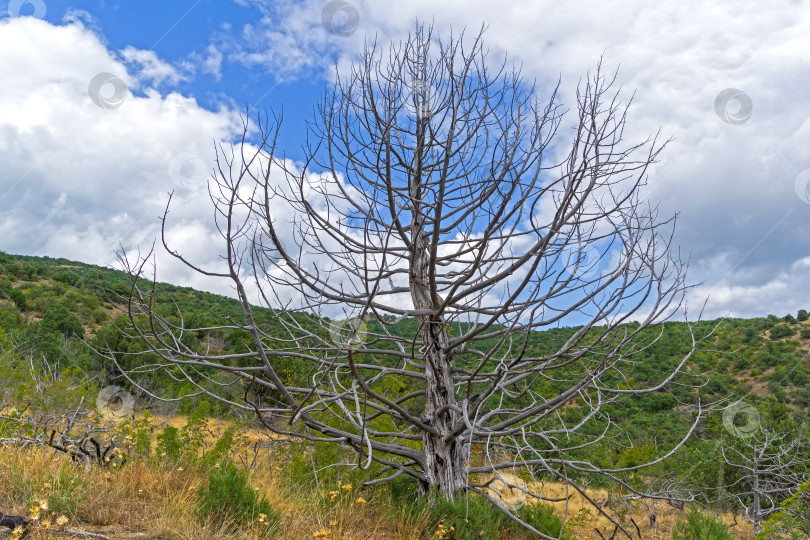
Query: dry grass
147	502
583	519
139	501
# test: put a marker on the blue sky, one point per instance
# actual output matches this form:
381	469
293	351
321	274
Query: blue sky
727	81
180	32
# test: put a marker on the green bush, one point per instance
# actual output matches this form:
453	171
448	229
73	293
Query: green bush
192	436
473	517
19	299
700	526
169	446
466	518
800	377
228	496
222	447
59	319
805	333
803	315
782	331
10	317
543	518
69	487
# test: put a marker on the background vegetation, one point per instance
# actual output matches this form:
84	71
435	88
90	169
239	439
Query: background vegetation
55	313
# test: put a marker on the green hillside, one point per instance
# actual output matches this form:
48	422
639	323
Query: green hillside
55	313
62	301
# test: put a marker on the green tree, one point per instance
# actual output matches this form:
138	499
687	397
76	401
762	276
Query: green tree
19	299
59	319
9	317
782	331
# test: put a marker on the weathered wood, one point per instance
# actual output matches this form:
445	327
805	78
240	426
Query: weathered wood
638	530
15	522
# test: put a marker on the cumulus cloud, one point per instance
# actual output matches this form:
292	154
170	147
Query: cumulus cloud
79	178
83	176
150	68
83	18
211	61
732	182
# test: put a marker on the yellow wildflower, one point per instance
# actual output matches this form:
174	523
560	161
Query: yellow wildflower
61	520
347	487
320	534
361	500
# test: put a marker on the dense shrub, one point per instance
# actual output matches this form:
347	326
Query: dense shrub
19	299
473	517
543	518
59	319
169	447
800	377
782	331
9	317
700	526
228	496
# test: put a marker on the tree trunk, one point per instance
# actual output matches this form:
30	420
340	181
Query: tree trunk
757	517
445	461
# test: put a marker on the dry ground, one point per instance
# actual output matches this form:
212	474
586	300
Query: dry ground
148	502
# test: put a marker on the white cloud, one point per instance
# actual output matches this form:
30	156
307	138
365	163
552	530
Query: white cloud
748	300
733	185
84	18
211	62
150	68
78	179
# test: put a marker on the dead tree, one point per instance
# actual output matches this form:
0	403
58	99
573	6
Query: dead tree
70	433
440	220
767	467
